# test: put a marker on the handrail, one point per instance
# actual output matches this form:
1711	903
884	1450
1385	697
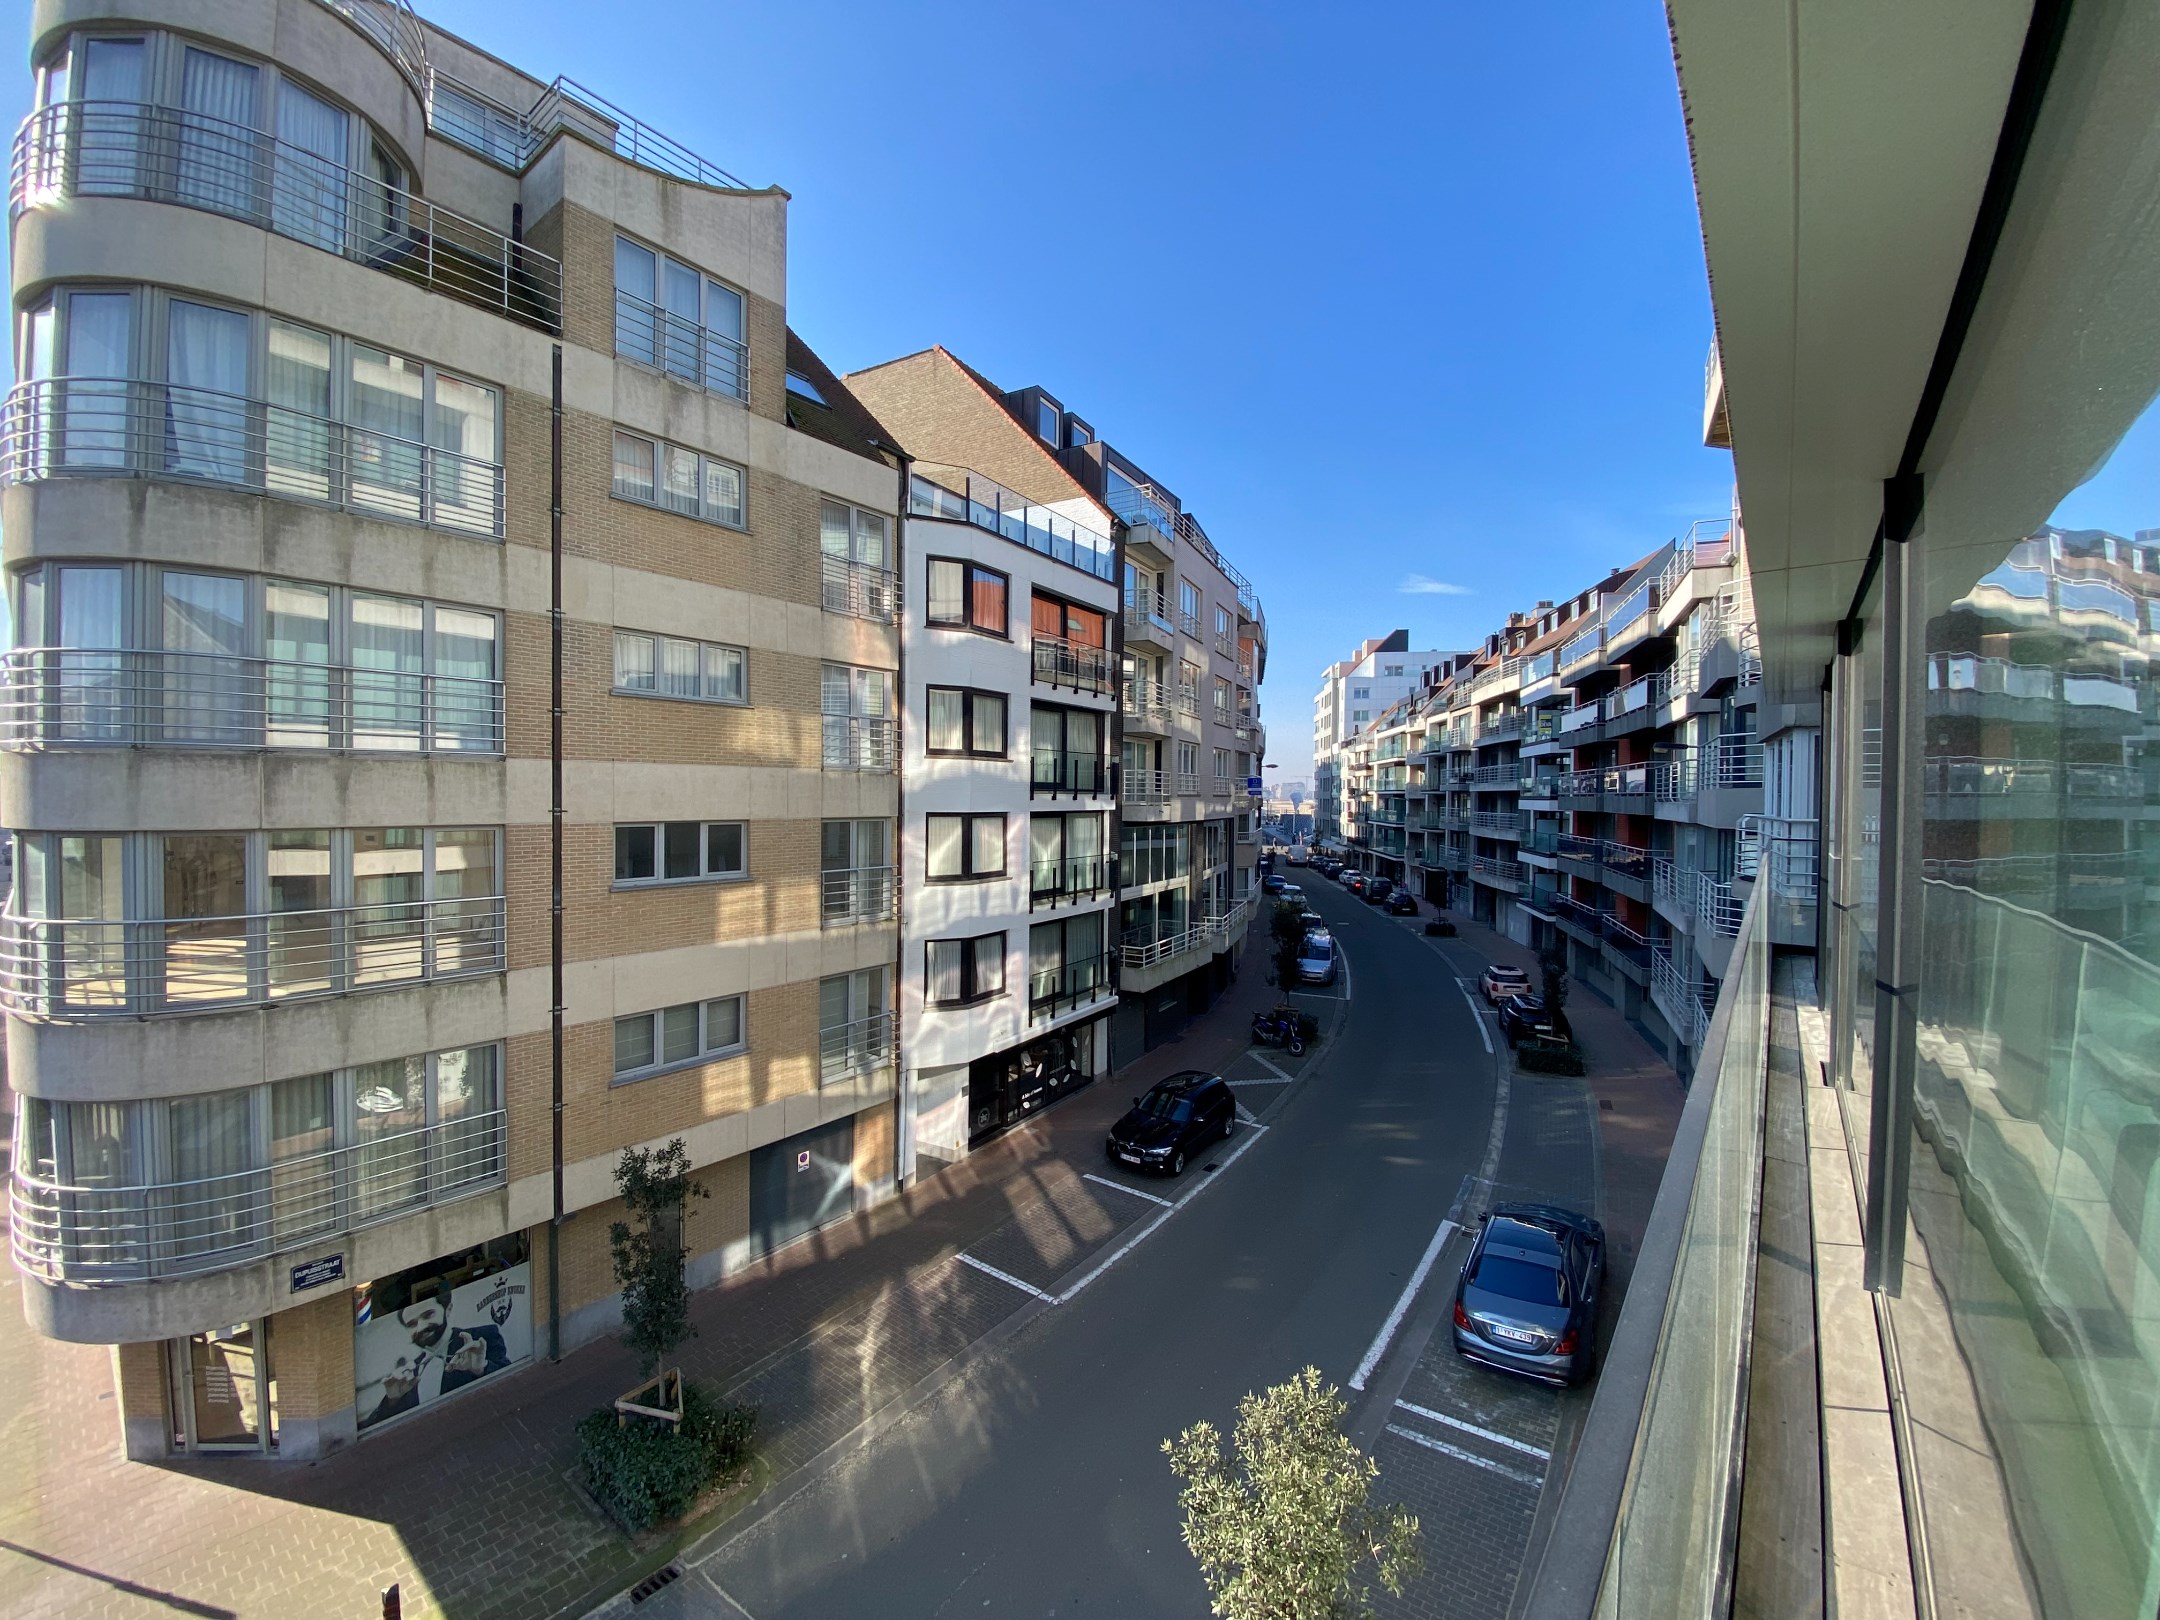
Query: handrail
395	31
856	894
75	149
857	1047
650	335
85	1234
854	742
1056	770
859	589
513	139
1071	877
118	426
1070	985
1075	664
71	697
958	495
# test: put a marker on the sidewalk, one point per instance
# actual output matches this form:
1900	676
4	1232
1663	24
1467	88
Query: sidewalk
474	1516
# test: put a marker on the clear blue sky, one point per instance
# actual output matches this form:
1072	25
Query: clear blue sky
1383	292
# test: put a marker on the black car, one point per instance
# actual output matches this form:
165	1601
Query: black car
1527	1300
1274	883
1179	1116
1402	903
1526	1015
1378	889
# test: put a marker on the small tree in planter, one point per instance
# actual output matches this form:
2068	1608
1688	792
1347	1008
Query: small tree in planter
1284	1531
647	1250
1552	965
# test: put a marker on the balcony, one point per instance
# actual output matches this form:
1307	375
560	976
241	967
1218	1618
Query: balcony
1075	877
75	1233
1509	875
956	495
861	590
83	149
1147	620
1676	998
57	697
851	895
458	112
858	1048
119	427
1586	713
854	742
1145	707
1073	665
1070	986
1716	907
90	967
703	356
1586	920
1496	823
1583	645
1501	728
1672	886
1627	861
1716	425
1637	703
1627	950
1056	771
1213	932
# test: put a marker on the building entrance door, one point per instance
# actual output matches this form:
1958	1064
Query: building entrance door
221	1397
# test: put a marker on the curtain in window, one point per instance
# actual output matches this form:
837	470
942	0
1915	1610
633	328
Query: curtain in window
723	492
468	1105
100	356
390	1134
301	932
986	844
463	463
214	1202
296	429
91	702
943	835
948	584
109	149
987	726
297	700
466	885
207	684
636	320
723	347
308	181
467	712
388	684
987	602
945	733
219	157
306	1176
388	414
682	333
942	970
206	409
835	531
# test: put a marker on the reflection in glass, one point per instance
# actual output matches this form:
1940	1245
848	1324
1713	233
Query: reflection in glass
390	1132
205	928
389	927
302	930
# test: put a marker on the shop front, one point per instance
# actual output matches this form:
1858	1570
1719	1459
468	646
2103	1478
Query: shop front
1010	1085
431	1331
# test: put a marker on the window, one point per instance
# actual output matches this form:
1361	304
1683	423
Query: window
1360	692
855	709
1188	759
965	721
1359	716
958	971
964	847
1066	964
1222	621
677	319
854	1024
797	383
855	872
650	1043
1153	854
1188	601
852	535
967	596
1222	764
1222	700
1078	432
1046	421
678	851
1391	669
1068	756
1065	855
667	666
656	473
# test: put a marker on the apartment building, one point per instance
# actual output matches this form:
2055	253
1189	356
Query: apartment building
374	392
1352	692
1905	1295
1009	700
1189	640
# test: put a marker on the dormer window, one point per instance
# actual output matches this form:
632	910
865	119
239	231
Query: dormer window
797	383
1046	421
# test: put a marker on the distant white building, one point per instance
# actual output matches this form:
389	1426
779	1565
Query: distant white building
1351	694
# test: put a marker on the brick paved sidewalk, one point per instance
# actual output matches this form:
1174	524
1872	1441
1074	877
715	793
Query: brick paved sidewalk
474	1515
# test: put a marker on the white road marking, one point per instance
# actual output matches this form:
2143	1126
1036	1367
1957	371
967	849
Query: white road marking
1268	1064
1141	1236
1477	1016
1105	1181
1523	1446
1471	1457
1343	957
1261	1080
989	1270
1247	1118
1402	1305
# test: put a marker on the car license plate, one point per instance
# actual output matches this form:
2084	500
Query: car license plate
1514	1335
1129	1158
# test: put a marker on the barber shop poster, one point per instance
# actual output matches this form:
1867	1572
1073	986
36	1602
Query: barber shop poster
442	1340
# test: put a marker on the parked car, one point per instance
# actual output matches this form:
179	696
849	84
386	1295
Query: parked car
1274	884
1501	981
1355	882
1177	1116
1527	1299
1312	922
1377	890
1316	960
1291	893
1525	1015
1402	903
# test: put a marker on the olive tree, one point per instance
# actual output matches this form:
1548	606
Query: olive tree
1282	1525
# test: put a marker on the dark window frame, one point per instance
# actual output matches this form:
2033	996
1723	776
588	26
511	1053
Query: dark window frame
972	957
967	820
968	695
968	570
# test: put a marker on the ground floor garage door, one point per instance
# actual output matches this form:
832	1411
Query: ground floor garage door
798	1185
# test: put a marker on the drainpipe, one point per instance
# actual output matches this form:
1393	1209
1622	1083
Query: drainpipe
555	857
903	1129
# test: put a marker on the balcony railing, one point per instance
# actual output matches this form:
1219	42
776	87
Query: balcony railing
703	356
1625	941
1792	852
97	968
1070	985
1145	705
1584	644
1147	620
1674	885
1073	664
66	697
131	149
1962	775
395	31
1682	1007
1501	727
1590	919
1503	874
861	589
1074	877
1708	544
77	1233
1497	823
1061	771
854	742
861	1047
1212	932
1716	907
1630	608
960	496
1626	860
513	139
115	426
1645	693
1145	787
1586	713
1739	762
858	894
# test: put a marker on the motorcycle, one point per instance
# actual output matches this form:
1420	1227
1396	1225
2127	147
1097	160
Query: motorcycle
1279	1028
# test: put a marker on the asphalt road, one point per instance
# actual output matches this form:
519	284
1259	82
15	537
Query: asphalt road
1034	1484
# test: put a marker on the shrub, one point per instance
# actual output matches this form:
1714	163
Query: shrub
644	1472
1537	1056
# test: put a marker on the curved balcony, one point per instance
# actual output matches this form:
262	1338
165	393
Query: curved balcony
122	427
80	968
72	1232
68	697
79	149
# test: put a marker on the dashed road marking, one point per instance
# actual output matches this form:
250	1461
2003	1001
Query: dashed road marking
1430	1444
1105	1181
989	1270
1498	1439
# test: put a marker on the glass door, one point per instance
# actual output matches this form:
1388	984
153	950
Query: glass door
209	689
222	1396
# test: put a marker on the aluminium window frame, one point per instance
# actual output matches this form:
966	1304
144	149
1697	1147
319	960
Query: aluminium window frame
968	695
655	502
656	637
705	1053
739	874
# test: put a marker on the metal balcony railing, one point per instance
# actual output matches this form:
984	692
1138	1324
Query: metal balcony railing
395	31
1187	782
861	590
859	894
1646	693
1707	544
1626	860
854	742
1070	985
1501	727
958	495
1630	608
1625	941
1062	771
81	1233
1144	705
861	1047
1584	644
98	968
1586	713
1189	622
703	356
1502	874
1226	644
1074	877
1497	823
67	697
1144	787
78	149
1716	907
1146	619
1792	850
115	426
1212	932
1682	1007
1587	917
1675	885
1073	664
1739	762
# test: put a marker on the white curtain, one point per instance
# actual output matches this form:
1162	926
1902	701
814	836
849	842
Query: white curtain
206	409
208	696
218	154
100	356
308	190
108	140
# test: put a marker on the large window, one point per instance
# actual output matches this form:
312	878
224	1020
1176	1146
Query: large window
650	1043
958	971
657	473
1068	750
1153	854
855	710
1067	965
677	319
1065	856
678	851
855	872
964	721
673	667
856	562
967	596
854	1025
963	848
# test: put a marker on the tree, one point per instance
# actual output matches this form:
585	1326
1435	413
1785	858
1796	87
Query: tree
1552	963
1287	929
1285	1530
647	1249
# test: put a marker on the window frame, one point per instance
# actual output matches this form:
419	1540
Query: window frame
968	872
968	695
658	449
969	568
617	687
973	957
707	874
655	1018
655	298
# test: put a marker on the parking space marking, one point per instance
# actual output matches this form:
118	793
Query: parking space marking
1105	1181
1261	1080
989	1270
1402	1306
1498	1439
1477	1017
1268	1064
1534	1481
1152	1225
1247	1118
